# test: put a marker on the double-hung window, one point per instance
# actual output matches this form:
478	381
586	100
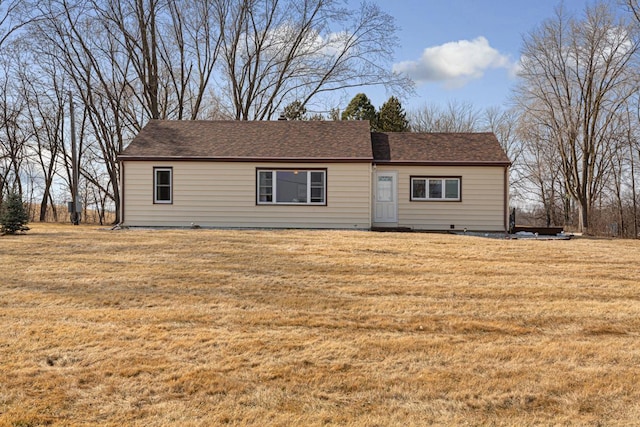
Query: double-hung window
163	185
292	186
435	188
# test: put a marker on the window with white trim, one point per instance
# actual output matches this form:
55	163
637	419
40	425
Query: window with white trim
435	189
163	185
291	187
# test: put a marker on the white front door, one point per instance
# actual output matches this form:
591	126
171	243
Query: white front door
385	197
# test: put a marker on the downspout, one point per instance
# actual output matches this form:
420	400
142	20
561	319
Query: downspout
372	168
122	198
505	214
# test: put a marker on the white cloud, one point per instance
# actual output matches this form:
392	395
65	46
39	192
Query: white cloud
331	45
455	63
315	43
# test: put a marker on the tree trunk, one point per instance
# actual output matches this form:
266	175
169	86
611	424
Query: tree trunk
583	224
43	203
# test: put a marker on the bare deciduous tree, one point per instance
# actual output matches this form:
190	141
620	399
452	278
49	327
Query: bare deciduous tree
576	77
13	134
633	6
43	89
541	173
278	51
172	48
456	117
11	20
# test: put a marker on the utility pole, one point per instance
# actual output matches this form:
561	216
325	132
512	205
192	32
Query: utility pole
73	209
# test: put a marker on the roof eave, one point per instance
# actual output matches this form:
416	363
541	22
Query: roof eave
247	159
441	163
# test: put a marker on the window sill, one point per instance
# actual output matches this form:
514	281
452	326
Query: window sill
289	204
436	200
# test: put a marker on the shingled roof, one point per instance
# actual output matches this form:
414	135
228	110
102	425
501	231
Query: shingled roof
438	148
313	141
252	141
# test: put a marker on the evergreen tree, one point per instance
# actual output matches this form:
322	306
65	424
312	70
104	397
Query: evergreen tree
392	117
295	111
13	215
316	117
360	108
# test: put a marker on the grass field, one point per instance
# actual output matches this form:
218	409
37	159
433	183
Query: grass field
309	328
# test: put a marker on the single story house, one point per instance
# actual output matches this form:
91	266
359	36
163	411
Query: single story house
311	174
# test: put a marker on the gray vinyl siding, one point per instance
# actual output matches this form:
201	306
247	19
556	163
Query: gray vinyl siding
223	194
481	208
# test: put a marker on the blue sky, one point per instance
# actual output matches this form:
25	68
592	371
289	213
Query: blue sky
463	50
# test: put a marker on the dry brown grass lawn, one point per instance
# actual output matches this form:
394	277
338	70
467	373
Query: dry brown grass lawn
213	327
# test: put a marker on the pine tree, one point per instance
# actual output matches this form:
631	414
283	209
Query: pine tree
360	108
392	117
295	111
13	215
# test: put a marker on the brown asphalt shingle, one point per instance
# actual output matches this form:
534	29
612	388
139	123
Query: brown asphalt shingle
264	140
437	148
308	140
